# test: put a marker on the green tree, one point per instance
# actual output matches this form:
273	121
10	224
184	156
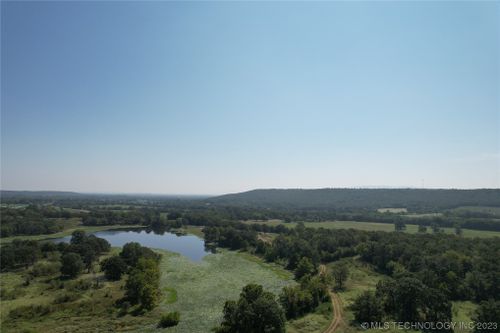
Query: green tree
488	312
255	312
435	228
402	298
340	273
77	237
132	252
170	319
19	252
304	267
422	228
367	308
114	267
71	264
142	285
399	226
89	255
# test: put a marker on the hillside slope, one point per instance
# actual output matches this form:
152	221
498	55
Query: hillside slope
356	198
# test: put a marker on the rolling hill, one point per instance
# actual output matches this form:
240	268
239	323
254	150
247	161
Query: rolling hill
338	198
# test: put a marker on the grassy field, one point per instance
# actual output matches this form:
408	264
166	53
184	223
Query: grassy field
202	288
194	230
315	322
372	226
422	215
197	290
463	312
479	209
392	210
361	278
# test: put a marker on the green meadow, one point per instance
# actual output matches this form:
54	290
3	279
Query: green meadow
373	226
203	287
198	290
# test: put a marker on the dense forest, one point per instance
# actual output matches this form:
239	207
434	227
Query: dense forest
32	220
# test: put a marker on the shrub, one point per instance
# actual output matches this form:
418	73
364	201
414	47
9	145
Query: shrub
125	306
66	298
114	267
72	264
79	285
170	319
56	284
10	294
45	269
30	311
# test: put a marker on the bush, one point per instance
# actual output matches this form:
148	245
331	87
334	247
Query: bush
170	319
114	267
10	294
79	285
45	269
30	311
124	307
367	308
71	265
66	298
56	284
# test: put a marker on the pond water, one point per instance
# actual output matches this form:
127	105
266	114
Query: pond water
187	245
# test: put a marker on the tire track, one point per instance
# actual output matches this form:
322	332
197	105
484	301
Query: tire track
337	308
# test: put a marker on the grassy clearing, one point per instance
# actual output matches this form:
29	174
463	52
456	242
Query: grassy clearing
169	295
202	288
315	322
372	226
479	209
463	312
361	277
392	210
422	215
69	231
194	230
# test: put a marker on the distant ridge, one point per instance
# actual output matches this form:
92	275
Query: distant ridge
338	198
26	192
12	193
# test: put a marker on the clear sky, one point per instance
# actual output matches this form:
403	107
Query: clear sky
208	98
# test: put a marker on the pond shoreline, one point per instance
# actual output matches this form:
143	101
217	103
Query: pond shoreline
177	241
68	232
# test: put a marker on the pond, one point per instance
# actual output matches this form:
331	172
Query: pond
190	246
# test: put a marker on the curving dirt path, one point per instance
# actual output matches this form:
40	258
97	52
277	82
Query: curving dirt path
337	308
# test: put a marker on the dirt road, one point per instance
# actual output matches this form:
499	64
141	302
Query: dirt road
337	308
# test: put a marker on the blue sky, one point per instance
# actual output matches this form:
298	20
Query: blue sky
207	98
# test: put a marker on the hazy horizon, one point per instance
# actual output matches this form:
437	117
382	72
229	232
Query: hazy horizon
248	190
213	98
